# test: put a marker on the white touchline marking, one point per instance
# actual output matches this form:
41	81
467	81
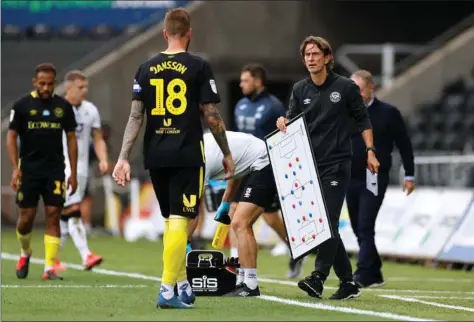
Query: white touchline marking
410	299
442	297
111	286
273	281
319	306
343	309
430	279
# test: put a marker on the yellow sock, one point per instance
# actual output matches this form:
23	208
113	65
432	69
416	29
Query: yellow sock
174	253
167	228
25	242
165	233
51	248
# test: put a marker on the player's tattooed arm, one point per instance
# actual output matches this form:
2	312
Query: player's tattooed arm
216	125
135	121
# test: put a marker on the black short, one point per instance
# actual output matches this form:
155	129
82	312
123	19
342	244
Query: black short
51	188
178	190
275	206
259	188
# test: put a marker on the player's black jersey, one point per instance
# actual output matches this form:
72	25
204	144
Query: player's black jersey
40	124
172	87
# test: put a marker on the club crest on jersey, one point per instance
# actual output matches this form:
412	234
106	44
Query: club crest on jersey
213	85
335	97
136	87
58	112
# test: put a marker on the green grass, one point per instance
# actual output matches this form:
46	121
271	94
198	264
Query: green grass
138	303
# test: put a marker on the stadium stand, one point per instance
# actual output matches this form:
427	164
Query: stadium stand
69	44
448	123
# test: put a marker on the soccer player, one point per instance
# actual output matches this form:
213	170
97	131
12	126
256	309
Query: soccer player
173	89
88	125
256	114
330	103
40	119
258	193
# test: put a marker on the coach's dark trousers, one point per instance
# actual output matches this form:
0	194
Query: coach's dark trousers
335	180
363	208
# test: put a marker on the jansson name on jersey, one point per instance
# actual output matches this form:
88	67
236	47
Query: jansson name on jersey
180	68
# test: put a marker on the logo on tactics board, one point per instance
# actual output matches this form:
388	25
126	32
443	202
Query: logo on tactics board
335	97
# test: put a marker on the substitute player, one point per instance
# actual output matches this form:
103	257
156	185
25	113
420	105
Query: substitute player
88	125
40	119
251	162
173	89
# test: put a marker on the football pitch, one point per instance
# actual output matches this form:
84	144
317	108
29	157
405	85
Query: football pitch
125	288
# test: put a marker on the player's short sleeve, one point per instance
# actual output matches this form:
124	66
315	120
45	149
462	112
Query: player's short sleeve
69	119
137	88
208	88
15	118
96	123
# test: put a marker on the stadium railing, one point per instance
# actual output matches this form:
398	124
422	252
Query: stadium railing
443	170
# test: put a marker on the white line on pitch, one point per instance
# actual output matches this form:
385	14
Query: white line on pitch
319	306
263	280
273	281
72	286
349	310
442	297
446	306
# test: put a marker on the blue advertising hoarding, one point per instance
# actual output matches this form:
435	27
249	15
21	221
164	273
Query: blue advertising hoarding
85	13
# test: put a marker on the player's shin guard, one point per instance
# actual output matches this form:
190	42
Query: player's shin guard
78	234
51	248
25	243
174	253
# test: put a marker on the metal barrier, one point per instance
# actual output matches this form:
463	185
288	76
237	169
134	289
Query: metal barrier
444	170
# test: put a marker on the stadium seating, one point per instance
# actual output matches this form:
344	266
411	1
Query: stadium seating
447	124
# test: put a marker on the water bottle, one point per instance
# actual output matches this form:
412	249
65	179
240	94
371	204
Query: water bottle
222	216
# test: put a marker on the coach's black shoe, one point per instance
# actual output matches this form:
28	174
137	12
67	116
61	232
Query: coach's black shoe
243	291
369	282
22	267
313	285
347	290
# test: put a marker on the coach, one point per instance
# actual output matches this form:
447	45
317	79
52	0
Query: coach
389	129
330	103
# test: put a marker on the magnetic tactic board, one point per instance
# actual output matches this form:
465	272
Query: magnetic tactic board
299	190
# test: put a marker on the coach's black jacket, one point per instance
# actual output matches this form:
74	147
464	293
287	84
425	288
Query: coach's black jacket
330	110
389	129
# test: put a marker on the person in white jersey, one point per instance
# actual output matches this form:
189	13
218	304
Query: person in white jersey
88	126
250	157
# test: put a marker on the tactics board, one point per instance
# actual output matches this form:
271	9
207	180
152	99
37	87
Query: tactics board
299	190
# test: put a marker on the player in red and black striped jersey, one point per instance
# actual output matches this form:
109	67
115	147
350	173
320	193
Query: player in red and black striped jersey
174	89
